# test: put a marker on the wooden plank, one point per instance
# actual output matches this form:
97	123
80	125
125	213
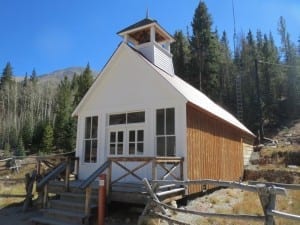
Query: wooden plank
206	214
214	149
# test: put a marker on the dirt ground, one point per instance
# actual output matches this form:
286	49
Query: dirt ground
15	216
117	215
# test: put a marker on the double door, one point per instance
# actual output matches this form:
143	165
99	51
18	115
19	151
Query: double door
126	141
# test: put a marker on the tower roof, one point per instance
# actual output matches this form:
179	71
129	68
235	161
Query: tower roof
141	28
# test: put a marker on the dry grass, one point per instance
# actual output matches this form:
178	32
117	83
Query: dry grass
13	192
234	201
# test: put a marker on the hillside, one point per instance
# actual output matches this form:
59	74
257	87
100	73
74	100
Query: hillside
56	76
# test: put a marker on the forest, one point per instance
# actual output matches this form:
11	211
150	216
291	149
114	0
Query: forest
257	81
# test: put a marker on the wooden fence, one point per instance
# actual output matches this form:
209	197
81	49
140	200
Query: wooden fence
42	165
266	191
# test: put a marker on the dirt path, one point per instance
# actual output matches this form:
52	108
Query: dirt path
15	216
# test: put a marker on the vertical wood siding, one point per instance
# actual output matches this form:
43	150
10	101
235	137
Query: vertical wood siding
215	149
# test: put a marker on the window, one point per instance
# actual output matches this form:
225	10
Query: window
90	139
127	118
136	142
126	133
116	142
165	132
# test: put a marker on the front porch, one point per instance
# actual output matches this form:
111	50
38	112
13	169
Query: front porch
71	192
117	188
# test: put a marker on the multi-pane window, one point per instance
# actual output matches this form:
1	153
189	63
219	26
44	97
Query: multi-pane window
116	143
90	139
165	132
127	118
126	133
136	142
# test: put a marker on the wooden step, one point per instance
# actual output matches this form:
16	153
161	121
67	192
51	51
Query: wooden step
69	205
50	221
77	197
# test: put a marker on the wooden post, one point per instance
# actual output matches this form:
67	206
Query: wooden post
267	199
102	199
67	175
88	192
181	170
108	180
38	167
154	169
76	167
45	197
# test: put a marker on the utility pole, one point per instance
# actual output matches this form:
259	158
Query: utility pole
258	96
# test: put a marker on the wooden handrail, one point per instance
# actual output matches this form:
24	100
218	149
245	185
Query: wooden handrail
51	175
84	184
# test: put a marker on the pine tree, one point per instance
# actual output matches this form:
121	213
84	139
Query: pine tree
7	150
226	74
204	48
64	131
27	133
181	55
33	77
84	81
289	52
47	140
20	151
7	75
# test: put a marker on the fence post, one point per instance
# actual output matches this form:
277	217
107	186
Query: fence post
267	198
67	175
102	199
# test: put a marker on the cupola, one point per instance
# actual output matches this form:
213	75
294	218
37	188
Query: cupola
150	39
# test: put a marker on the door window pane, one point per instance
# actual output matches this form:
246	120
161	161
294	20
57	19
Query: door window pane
140	148
140	136
112	149
132	136
120	136
112	137
120	149
131	148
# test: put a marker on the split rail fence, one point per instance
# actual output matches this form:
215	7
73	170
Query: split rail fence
267	193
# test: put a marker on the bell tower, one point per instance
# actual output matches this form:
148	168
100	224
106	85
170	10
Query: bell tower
150	39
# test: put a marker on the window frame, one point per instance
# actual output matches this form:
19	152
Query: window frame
164	134
90	137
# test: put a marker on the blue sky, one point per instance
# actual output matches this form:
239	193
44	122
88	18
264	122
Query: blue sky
53	34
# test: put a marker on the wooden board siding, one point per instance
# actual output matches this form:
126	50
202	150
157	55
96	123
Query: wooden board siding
214	148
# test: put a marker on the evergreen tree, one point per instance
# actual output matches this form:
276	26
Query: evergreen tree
7	76
64	131
226	74
84	81
20	151
204	46
27	133
289	54
47	139
7	150
33	77
181	55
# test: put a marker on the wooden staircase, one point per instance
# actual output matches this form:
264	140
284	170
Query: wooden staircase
69	209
